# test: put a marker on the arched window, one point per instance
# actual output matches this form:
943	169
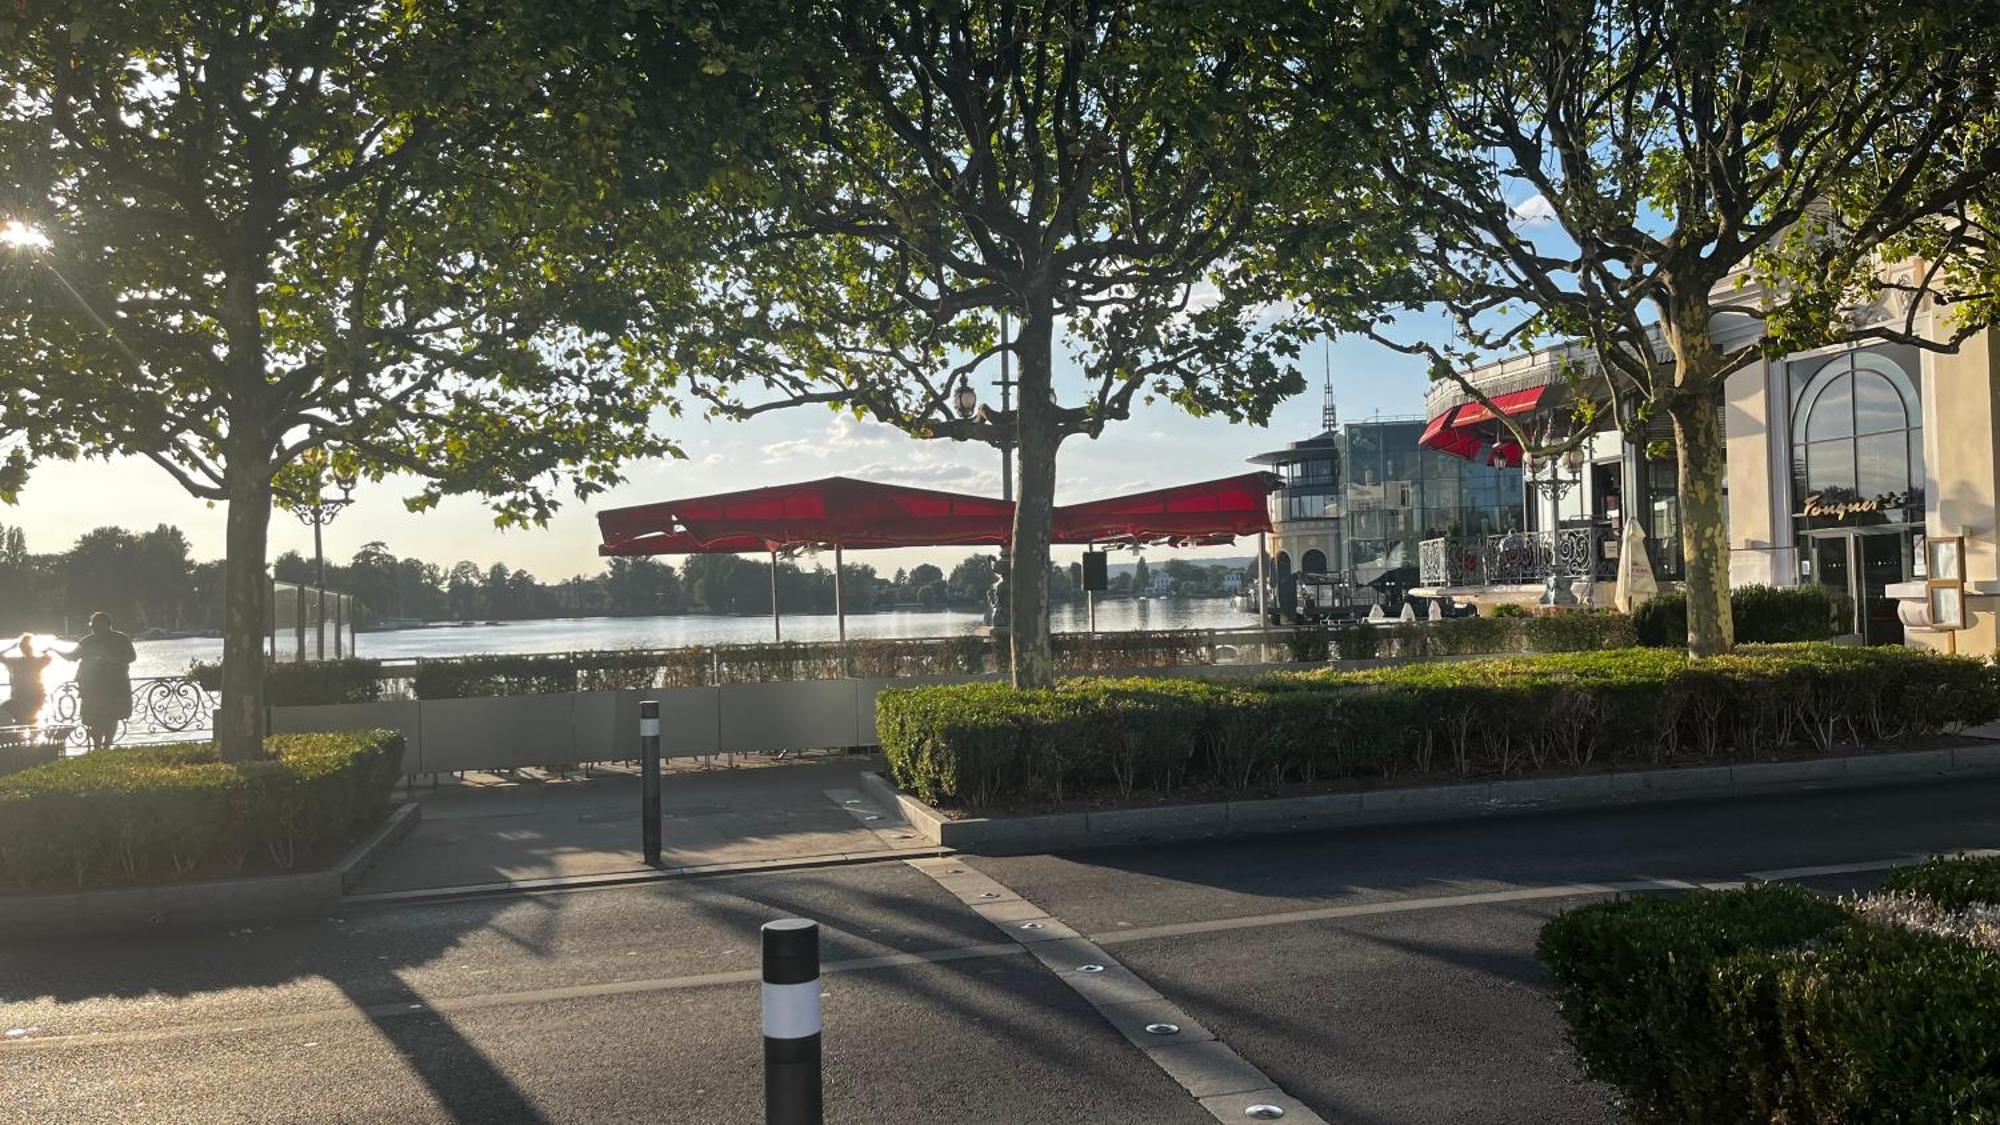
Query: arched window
1313	562
1857	434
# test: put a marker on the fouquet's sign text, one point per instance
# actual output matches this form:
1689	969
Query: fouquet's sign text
1817	506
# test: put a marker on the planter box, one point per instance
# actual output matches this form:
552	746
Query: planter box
264	897
1001	835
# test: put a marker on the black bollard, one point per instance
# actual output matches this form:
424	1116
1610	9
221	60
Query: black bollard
649	779
791	1023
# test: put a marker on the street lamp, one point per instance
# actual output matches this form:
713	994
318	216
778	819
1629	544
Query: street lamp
965	399
317	514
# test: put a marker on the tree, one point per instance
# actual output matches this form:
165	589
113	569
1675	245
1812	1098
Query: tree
97	574
289	239
463	591
1084	168
1684	163
160	568
971	578
1142	576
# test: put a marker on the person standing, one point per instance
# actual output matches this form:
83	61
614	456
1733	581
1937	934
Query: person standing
25	693
103	678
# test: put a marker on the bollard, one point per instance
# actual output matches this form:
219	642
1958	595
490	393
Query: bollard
649	779
791	1023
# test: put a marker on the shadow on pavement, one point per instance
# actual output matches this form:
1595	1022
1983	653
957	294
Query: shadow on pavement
190	961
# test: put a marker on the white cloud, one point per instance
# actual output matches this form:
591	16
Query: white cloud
843	434
929	471
1535	210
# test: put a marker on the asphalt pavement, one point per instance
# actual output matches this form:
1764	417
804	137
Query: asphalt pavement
1377	975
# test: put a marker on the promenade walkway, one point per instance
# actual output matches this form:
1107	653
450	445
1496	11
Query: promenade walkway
487	829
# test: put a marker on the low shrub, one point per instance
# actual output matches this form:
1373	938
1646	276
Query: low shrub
1758	615
349	680
1309	643
1637	983
1952	882
1578	630
1772	1004
979	744
156	813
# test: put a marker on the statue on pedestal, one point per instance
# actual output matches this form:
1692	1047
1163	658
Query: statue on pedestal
996	595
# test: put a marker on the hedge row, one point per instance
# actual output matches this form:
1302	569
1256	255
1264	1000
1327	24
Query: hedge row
1575	630
1772	1004
348	680
148	814
1759	614
980	744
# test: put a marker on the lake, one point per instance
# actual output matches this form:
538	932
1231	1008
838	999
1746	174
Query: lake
570	634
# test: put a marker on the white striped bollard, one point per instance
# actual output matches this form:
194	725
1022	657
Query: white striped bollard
649	779
791	1023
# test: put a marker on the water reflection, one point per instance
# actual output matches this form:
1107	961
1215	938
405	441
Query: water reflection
173	657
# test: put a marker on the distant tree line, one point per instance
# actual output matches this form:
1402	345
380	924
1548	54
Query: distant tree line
150	580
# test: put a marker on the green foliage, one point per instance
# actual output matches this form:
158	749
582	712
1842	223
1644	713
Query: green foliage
1953	882
1760	615
1772	1004
1310	643
159	813
350	680
322	242
1353	640
1636	981
1511	609
1579	630
980	744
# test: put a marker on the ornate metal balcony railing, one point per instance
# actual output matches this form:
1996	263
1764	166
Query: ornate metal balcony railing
164	709
1520	558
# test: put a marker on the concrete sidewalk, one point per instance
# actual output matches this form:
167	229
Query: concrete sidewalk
494	828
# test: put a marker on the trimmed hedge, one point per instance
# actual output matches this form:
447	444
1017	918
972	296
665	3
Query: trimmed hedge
1953	882
1772	1004
150	814
1760	615
349	680
978	744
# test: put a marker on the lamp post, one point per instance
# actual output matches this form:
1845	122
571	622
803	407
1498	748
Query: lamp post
316	514
1555	486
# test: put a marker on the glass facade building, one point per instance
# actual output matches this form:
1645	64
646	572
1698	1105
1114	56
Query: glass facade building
1353	504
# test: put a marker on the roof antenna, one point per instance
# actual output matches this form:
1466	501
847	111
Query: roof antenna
1329	417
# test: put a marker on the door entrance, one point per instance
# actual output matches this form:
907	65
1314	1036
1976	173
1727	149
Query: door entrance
1863	565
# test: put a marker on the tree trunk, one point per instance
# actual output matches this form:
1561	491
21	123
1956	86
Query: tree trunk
246	592
1032	664
1698	445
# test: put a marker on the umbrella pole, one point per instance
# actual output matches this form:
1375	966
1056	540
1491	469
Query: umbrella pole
777	628
839	609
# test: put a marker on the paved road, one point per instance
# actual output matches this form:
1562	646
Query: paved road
1380	975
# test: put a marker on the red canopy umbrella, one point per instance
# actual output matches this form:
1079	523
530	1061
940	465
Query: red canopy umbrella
840	512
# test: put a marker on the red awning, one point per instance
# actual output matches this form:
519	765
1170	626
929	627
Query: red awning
1215	511
1445	437
1513	402
837	511
843	512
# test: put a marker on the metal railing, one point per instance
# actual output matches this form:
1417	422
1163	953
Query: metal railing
164	709
1519	558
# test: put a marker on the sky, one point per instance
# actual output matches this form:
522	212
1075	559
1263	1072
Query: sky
1159	446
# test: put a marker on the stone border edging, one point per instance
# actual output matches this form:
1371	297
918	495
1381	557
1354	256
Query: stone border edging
257	898
1220	819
